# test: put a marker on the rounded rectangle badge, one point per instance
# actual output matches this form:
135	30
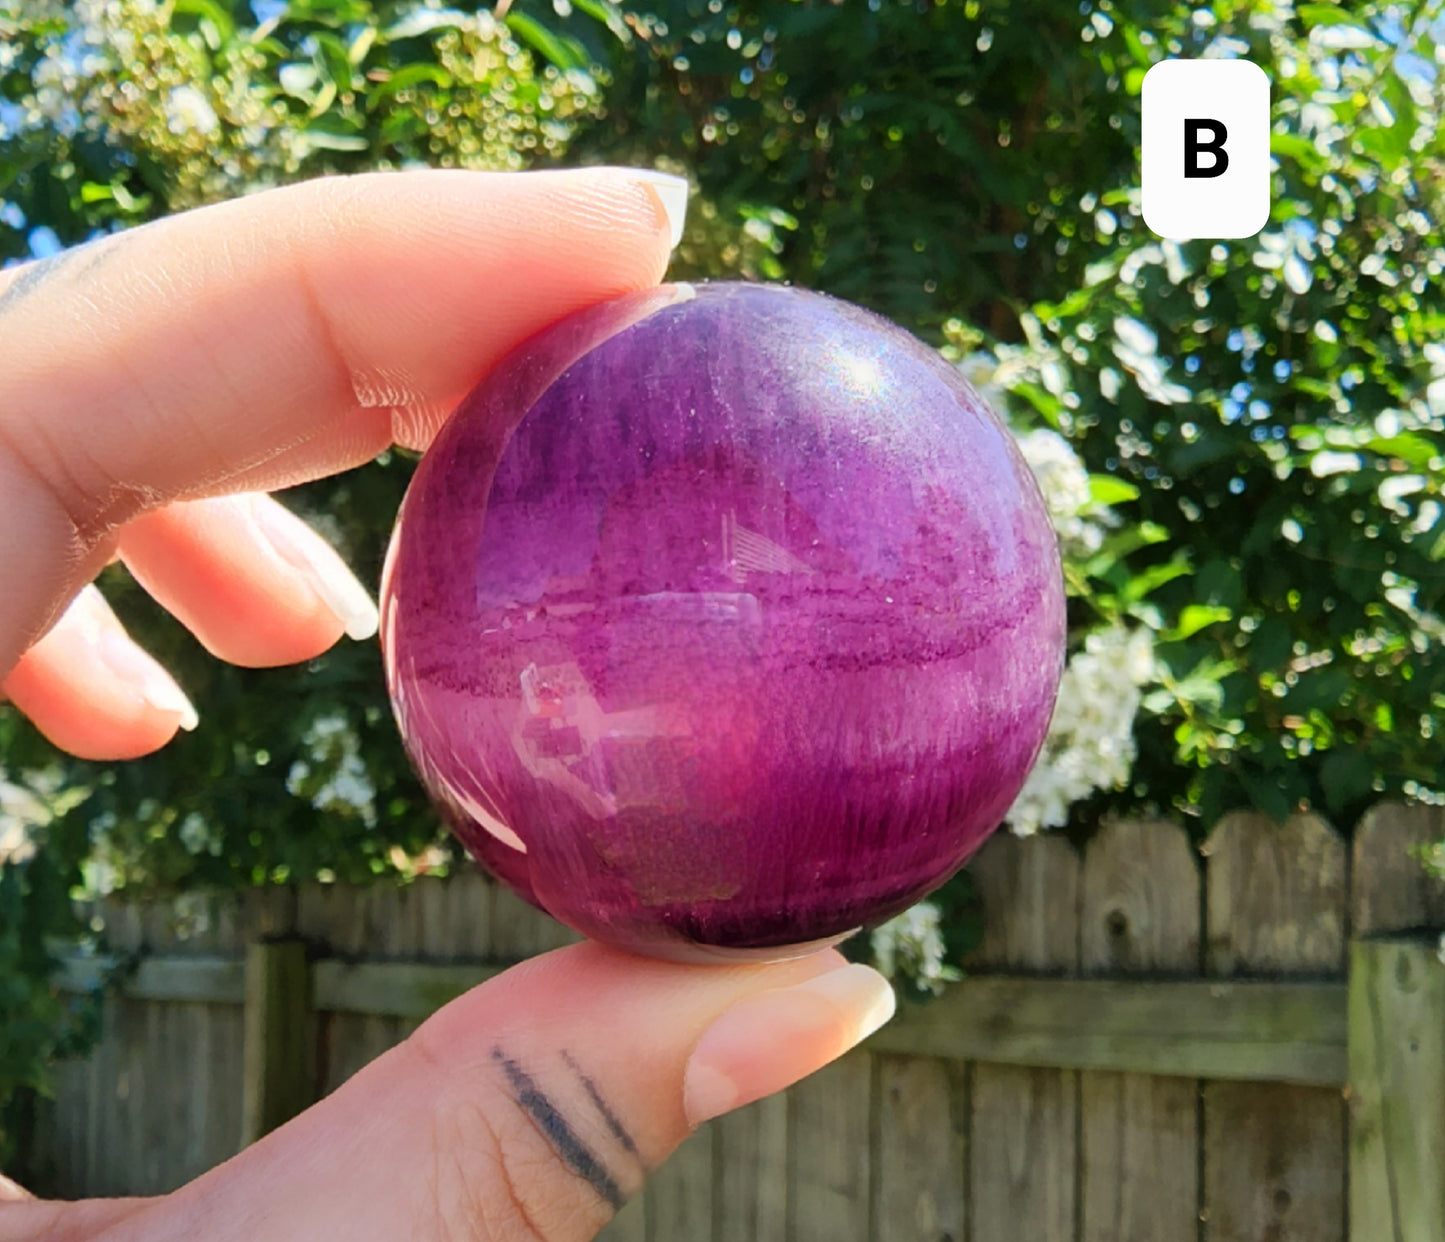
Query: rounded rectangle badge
1205	154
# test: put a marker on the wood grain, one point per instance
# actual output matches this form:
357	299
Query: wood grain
829	1125
1275	897
752	1170
1390	890
922	1129
1139	913
1251	1030
1274	1162
1022	1134
679	1196
1397	1099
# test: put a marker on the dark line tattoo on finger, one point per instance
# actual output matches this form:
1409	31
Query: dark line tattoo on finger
564	1140
619	1131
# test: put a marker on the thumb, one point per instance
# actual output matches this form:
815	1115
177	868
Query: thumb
532	1108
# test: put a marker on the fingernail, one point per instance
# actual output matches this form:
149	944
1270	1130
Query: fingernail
672	193
145	676
335	585
773	1039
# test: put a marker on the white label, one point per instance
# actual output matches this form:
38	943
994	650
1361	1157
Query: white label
1205	149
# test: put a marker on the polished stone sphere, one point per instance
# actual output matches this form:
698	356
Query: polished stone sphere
723	620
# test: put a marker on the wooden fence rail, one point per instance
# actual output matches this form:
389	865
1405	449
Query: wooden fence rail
1154	1043
1246	1031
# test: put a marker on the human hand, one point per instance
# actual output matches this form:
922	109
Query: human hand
153	386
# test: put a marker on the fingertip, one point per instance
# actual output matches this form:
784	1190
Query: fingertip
102	723
667	193
93	692
253	583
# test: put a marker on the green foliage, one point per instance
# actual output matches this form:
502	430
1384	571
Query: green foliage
37	1023
123	110
1279	402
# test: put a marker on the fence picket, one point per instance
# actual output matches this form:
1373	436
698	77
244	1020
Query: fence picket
679	1197
1139	1161
753	1173
829	1125
922	1126
376	922
1273	1154
1023	1147
1389	889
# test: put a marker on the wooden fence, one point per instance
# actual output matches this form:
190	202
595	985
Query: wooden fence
1155	1043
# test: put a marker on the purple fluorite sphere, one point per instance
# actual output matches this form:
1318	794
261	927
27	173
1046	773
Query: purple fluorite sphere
723	620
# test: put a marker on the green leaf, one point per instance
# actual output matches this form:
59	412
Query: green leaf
1193	618
1326	15
608	14
1266	792
1201	689
423	21
1294	146
1417	450
361	45
1147	581
563	52
409	77
1106	489
208	10
1043	401
1159	701
1345	776
328	140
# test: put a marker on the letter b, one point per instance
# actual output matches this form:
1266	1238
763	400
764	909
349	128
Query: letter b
1209	192
1193	147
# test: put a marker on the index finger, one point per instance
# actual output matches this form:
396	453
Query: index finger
281	337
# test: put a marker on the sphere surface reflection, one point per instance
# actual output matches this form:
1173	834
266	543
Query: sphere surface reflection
723	620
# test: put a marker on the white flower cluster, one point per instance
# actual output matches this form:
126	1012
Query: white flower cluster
1090	744
67	66
199	837
335	751
188	111
912	945
28	804
189	915
983	372
1065	485
20	812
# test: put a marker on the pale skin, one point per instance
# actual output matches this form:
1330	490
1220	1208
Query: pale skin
153	387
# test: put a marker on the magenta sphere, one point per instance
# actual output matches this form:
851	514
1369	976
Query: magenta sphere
723	620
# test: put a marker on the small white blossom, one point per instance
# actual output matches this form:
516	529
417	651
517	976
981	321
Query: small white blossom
20	812
188	111
335	750
1065	485
200	837
912	945
981	370
190	915
1090	743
